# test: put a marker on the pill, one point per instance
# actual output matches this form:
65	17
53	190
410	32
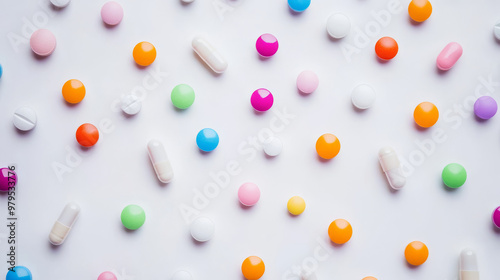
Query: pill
73	91
207	139
496	217
182	96
159	159
112	13
249	194
8	179
253	268
454	175
299	5
392	167
209	54
43	42
416	253
296	205
369	278
187	1
131	104
19	273
87	135
485	107
363	96
468	265
449	56
202	229
133	217
328	146
144	53
426	114
386	48
107	275
262	100
60	3
338	25
496	30
420	10
24	118
307	82
340	231
182	275
64	223
272	146
267	45
1	71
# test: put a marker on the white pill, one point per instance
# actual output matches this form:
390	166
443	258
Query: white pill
63	225
131	104
182	275
273	146
60	3
187	1
24	118
363	96
160	161
392	167
202	229
338	25
496	30
209	55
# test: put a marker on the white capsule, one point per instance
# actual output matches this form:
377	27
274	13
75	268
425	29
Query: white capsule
63	225
468	265
209	55
273	146
60	3
24	119
160	161
131	104
202	229
182	275
392	167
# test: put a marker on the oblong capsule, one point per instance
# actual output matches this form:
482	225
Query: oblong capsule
160	161
64	223
449	56
468	265
392	167
209	55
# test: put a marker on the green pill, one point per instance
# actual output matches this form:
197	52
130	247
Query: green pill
454	175
182	96
133	217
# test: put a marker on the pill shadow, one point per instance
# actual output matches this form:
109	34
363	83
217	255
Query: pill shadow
381	61
333	40
109	26
292	12
479	120
39	57
140	67
178	110
441	72
323	160
410	266
414	23
244	207
198	243
495	228
185	4
419	128
206	65
268	157
54	247
496	39
257	113
357	110
66	103
304	94
292	215
21	132
448	189
338	246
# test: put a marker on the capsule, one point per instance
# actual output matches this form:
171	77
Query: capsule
160	161
63	225
392	167
209	55
449	56
468	265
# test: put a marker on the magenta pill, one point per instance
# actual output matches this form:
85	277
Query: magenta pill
267	45
107	275
249	194
485	107
307	82
496	217
112	13
262	100
449	56
8	179
43	42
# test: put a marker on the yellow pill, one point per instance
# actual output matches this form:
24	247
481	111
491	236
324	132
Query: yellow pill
296	205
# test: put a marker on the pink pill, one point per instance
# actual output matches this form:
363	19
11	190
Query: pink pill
449	56
43	42
262	100
107	275
307	82
249	194
267	45
112	13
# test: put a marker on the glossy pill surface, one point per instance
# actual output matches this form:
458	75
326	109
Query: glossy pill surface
485	107
1	71
420	10
182	96
144	53
416	253
262	100
296	205
133	217
392	167
449	56
8	179
267	45
19	273
107	275
209	55
363	96
386	48
273	146
24	119
43	42
207	139
60	3
454	175
338	25
299	5
307	82
426	114
249	194
202	229
112	13
328	146
340	231
496	217
253	268
160	161
87	135
64	223
73	91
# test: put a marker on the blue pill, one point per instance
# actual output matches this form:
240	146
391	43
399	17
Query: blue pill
299	5
207	140
1	71
19	273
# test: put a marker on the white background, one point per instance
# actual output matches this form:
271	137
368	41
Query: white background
117	172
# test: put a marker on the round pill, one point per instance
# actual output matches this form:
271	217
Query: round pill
73	91
8	179
87	135
369	278
131	105
262	100
426	114
363	96
202	229
182	275
496	30
485	107
299	5
307	82
253	268
454	175
340	231
43	42
496	217
133	217
207	139
112	13
328	146
267	45
24	119
273	146
420	10
107	275
60	3
182	96
338	25
19	273
144	53
416	253
249	194
386	48
296	205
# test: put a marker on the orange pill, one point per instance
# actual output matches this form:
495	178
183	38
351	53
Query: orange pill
386	48
369	278
426	114
253	268
87	135
328	146
73	91
416	253
420	10
340	231
144	53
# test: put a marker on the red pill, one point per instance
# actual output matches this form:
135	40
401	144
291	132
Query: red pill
87	135
386	48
